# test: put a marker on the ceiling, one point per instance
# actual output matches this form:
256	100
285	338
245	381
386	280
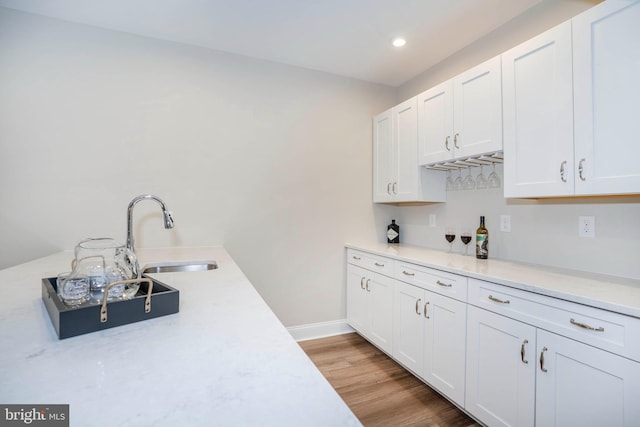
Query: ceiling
345	37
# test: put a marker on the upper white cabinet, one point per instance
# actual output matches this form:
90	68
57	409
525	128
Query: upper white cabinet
538	116
396	174
571	97
606	79
462	117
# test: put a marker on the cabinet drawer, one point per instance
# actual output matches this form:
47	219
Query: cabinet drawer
609	331
448	284
371	262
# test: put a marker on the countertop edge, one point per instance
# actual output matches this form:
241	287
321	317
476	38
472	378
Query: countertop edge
585	288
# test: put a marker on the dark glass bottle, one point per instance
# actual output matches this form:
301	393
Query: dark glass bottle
393	232
482	241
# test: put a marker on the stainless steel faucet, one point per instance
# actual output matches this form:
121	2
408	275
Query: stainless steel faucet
168	221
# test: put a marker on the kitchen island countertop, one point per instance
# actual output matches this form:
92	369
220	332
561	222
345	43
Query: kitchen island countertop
223	360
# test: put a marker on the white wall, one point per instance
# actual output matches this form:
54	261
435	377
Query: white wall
271	161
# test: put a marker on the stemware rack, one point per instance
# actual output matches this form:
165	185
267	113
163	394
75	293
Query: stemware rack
468	162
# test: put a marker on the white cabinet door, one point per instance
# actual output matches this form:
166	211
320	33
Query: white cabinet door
538	116
408	321
380	310
383	152
444	345
606	66
435	124
477	110
357	299
581	386
370	305
405	186
500	389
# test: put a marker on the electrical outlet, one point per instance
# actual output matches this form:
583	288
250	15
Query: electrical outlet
432	220
505	223
587	226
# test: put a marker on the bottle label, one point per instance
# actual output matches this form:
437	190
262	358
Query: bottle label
392	234
482	246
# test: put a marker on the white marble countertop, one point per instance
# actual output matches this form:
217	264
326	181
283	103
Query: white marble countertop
223	360
607	292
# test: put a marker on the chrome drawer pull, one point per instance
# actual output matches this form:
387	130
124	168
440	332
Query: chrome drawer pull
585	326
362	283
446	285
418	306
522	352
446	143
406	273
562	165
542	368
378	264
367	285
357	258
425	309
492	298
455	140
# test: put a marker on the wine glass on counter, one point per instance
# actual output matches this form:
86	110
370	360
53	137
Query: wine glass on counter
450	235
465	236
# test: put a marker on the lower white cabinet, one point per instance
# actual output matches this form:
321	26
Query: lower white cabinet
519	375
429	338
370	305
509	357
579	386
500	369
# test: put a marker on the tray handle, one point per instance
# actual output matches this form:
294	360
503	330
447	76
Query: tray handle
147	300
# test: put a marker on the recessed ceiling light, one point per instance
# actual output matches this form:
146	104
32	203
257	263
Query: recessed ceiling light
399	42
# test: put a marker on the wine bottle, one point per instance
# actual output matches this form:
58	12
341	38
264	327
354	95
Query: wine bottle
482	241
393	232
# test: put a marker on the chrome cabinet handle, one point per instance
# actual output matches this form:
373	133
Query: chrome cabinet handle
446	143
425	309
542	368
455	140
367	285
389	188
585	326
418	306
581	169
377	264
357	258
522	352
362	283
395	188
406	273
446	285
562	177
492	298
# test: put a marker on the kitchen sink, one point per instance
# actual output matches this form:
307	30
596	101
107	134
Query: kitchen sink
179	266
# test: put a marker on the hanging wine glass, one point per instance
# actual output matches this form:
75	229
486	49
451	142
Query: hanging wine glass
481	181
468	182
450	185
457	184
494	179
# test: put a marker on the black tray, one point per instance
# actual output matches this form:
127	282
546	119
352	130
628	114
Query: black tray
86	318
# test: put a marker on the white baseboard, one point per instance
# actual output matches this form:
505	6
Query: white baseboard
320	330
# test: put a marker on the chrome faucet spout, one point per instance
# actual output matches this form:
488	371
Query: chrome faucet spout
168	220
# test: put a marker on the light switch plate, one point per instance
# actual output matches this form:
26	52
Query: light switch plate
587	226
432	220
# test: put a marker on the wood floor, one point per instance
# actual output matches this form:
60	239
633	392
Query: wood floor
379	391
